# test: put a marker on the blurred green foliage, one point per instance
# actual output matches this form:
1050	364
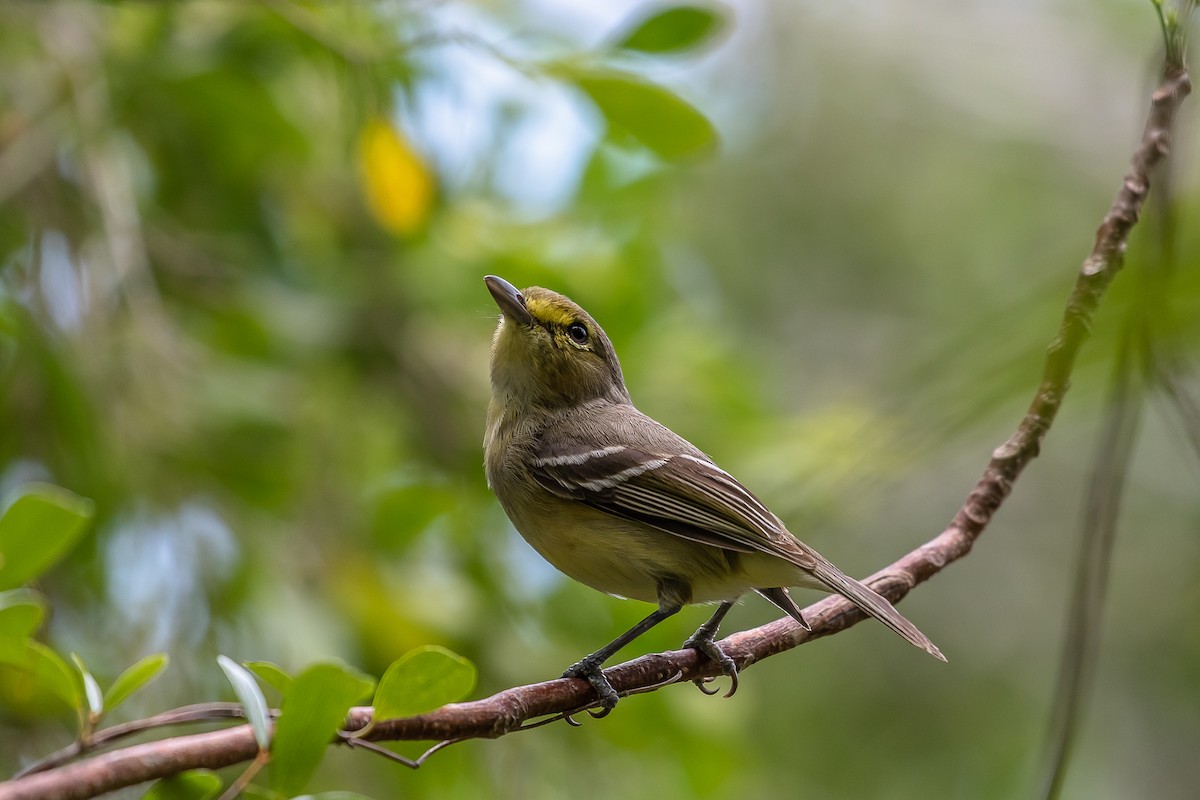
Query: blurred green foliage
241	309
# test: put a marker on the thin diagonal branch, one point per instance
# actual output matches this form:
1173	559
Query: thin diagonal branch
506	712
185	715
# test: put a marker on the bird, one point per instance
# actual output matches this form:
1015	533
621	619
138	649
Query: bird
619	502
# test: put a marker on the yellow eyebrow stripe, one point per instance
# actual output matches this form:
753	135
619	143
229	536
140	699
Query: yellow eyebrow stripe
545	311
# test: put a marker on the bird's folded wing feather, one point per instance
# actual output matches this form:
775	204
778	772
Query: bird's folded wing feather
681	494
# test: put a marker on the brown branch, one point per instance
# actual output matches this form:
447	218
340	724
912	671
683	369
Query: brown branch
185	715
511	710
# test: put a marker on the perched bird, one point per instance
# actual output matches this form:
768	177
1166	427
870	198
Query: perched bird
621	503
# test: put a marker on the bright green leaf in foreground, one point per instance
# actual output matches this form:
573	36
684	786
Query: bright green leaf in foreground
313	712
421	680
251	698
48	669
197	784
38	529
673	29
21	613
134	678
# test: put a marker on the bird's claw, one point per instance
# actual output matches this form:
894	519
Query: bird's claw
592	673
712	651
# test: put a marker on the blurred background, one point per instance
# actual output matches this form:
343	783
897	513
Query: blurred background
242	309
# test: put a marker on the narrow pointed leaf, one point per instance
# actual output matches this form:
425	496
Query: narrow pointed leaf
38	529
134	678
313	712
422	680
251	698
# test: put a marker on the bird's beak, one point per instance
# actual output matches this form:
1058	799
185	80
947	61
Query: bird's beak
511	301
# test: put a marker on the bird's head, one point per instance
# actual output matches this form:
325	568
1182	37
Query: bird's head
548	352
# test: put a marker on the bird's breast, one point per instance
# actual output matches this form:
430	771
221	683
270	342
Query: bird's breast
624	557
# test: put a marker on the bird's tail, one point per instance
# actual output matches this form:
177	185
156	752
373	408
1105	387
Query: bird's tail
872	603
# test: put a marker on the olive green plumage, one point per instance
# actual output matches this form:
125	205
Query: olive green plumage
618	501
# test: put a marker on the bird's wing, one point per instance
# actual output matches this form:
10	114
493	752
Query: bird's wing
685	494
679	493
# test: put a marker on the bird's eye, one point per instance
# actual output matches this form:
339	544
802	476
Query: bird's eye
578	332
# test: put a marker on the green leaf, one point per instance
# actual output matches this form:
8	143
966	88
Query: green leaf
21	613
654	116
134	678
258	792
313	712
47	667
196	784
272	675
673	29
38	529
251	698
422	680
336	795
91	689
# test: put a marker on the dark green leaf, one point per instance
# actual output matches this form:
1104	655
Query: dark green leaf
38	529
134	678
272	675
673	29
47	667
656	117
251	698
422	680
21	613
313	712
197	784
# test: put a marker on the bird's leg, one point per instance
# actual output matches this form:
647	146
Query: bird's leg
703	641
589	667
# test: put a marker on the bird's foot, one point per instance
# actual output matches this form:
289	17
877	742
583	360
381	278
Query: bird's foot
702	642
591	672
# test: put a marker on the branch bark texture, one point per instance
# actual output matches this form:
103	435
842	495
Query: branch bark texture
513	709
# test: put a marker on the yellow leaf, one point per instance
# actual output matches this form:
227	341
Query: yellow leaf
397	184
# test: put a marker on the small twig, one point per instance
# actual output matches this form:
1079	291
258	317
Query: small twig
380	750
247	775
442	745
